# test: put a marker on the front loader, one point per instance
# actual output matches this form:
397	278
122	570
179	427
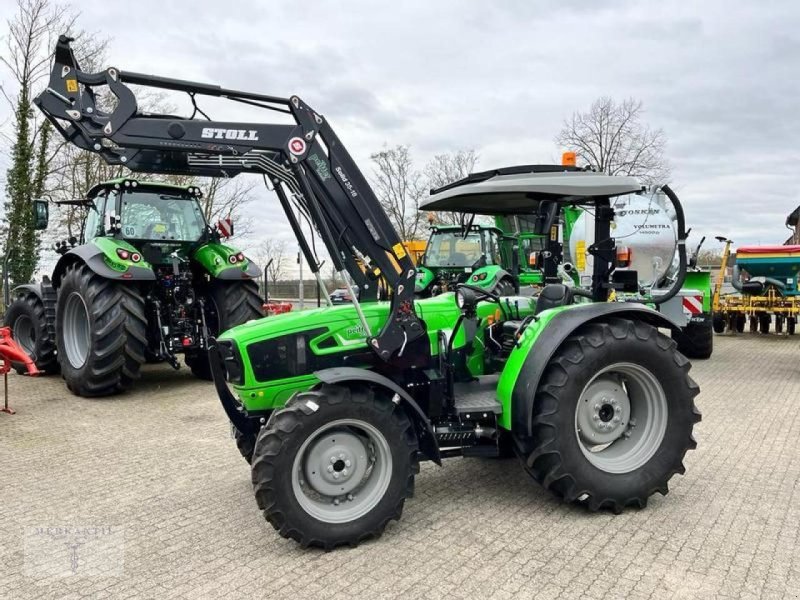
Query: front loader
334	408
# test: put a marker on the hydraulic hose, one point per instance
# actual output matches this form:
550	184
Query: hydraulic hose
683	262
736	280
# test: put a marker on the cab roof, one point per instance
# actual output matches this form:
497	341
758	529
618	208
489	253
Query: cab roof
519	190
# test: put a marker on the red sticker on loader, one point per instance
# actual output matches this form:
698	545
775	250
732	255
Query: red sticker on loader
297	146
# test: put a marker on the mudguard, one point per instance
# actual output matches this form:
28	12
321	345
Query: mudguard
556	332
34	288
425	433
98	261
229	403
215	259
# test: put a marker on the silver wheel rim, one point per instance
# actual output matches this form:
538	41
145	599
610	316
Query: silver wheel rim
621	418
76	332
25	333
342	471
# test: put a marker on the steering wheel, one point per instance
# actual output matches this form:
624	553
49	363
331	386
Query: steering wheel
482	293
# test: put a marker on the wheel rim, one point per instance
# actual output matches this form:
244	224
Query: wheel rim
342	471
25	333
76	333
621	418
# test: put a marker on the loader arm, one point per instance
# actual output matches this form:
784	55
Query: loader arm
306	163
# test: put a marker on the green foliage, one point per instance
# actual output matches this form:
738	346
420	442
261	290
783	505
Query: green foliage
25	181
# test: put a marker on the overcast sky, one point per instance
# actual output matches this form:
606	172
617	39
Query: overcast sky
721	78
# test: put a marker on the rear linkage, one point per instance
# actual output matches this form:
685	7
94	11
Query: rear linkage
306	164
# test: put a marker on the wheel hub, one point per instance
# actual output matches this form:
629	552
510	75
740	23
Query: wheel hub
336	463
604	411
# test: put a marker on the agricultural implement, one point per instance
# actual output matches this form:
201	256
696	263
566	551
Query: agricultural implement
766	282
147	280
335	407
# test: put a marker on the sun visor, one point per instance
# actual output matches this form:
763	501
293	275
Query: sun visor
522	192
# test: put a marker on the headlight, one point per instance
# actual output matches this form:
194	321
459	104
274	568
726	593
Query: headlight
460	300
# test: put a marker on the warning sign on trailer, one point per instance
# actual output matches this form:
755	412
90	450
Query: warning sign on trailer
692	305
297	146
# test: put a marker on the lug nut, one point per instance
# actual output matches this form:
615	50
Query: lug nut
344	472
330	468
341	456
336	502
597	407
350	497
336	475
333	459
347	463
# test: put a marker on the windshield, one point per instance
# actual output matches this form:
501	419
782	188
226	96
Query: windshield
450	249
157	216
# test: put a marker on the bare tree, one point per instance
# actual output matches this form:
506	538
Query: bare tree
272	256
399	187
612	138
447	168
227	198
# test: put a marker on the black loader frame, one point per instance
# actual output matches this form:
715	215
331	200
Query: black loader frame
306	164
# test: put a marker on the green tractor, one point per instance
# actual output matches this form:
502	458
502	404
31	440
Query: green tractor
464	254
148	280
335	408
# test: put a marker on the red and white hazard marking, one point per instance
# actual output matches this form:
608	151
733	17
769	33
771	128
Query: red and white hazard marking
692	305
225	227
297	146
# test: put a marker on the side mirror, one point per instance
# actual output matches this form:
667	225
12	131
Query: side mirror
225	227
41	214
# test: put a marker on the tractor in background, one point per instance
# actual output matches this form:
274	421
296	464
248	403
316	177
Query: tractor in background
148	280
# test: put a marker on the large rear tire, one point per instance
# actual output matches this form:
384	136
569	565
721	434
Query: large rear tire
696	340
637	385
228	304
334	466
100	332
33	328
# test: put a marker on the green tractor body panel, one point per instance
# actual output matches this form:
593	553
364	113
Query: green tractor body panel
215	260
332	334
510	374
425	278
700	281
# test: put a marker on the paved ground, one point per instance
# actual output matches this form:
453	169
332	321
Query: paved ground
145	495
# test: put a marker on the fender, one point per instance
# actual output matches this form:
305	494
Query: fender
425	433
557	331
33	288
94	258
229	403
251	272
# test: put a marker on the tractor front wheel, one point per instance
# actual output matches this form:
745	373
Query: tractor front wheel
227	304
100	332
612	417
32	325
334	466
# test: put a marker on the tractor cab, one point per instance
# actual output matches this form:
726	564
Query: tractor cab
460	254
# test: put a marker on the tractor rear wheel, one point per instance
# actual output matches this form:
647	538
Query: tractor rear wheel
100	332
764	321
33	328
228	304
612	416
334	466
696	340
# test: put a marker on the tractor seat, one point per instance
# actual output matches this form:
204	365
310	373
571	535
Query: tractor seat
553	295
